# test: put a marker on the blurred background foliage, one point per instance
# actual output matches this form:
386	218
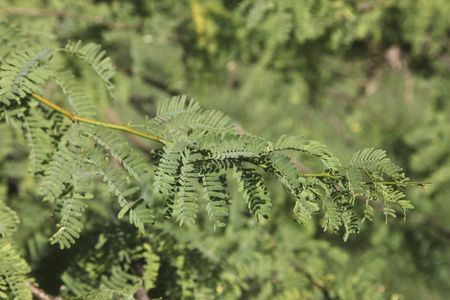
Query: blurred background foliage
349	74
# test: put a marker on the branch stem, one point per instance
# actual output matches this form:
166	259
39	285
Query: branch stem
41	294
418	183
75	118
42	12
320	175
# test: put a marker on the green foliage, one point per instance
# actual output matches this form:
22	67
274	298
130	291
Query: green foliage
13	268
96	58
72	205
200	146
107	266
347	74
9	221
23	73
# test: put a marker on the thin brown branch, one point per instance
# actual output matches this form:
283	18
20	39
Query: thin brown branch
340	128
42	12
141	294
41	294
160	85
155	82
325	291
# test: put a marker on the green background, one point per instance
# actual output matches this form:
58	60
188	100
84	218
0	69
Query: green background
349	74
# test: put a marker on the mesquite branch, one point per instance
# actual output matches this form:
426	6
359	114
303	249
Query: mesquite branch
75	118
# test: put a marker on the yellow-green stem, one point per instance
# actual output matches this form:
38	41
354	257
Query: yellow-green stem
418	183
75	118
320	175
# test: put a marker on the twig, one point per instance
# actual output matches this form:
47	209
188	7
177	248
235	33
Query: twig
41	12
141	294
113	117
417	183
325	292
41	294
164	86
398	183
160	85
339	127
75	118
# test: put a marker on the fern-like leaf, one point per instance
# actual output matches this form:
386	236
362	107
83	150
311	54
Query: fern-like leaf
8	221
255	192
178	116
214	185
72	207
176	105
152	264
121	282
13	273
185	205
139	213
23	72
96	58
63	163
309	147
39	142
282	167
13	268
230	146
332	216
350	222
376	164
76	95
121	151
166	173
